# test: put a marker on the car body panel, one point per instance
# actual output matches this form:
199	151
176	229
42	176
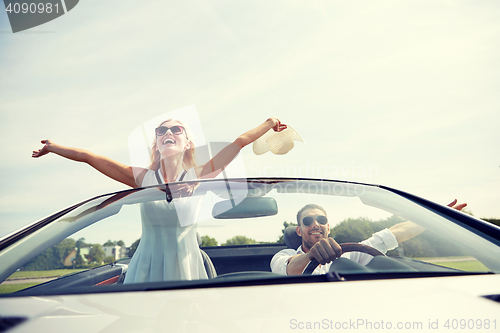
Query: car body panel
264	308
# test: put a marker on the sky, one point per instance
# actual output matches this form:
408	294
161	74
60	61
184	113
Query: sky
399	93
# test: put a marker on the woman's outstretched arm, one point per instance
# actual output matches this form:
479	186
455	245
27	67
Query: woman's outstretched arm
120	172
226	155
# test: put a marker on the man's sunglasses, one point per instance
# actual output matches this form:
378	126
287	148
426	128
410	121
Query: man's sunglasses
308	220
176	130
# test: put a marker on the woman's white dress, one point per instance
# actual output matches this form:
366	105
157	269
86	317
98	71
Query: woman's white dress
169	248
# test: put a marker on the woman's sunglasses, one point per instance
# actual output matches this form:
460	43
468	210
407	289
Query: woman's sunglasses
176	130
308	220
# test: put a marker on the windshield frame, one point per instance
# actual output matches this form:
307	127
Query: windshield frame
483	229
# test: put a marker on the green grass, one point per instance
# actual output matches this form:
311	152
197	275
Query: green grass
10	288
468	266
465	263
41	274
26	275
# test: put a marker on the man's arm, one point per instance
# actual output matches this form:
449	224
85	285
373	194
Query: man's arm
297	264
280	260
325	251
407	230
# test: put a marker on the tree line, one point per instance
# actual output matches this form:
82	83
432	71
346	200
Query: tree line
87	255
355	230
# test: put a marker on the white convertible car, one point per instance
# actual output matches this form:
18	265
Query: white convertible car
203	263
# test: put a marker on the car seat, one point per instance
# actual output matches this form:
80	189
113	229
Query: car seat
207	262
291	239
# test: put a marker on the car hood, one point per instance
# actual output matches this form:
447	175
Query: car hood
353	304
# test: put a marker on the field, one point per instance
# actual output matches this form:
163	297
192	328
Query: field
21	275
10	288
24	277
468	264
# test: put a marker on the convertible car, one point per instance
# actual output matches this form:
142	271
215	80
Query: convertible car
195	256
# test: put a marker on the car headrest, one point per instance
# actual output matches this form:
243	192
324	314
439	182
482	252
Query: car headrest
291	239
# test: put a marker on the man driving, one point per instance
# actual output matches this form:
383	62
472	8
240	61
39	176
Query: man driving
313	228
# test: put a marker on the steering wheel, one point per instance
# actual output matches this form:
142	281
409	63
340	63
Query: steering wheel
346	247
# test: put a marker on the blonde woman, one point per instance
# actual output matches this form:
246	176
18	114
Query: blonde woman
168	249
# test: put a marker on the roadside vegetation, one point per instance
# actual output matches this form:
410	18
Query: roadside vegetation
466	265
22	275
10	288
24	278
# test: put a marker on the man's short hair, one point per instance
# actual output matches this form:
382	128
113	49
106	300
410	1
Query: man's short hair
306	207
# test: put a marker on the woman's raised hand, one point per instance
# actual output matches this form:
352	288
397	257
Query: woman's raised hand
277	125
43	151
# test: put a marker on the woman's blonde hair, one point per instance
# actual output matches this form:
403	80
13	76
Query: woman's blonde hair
189	159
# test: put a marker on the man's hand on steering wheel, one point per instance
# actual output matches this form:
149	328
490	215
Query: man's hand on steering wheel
345	247
325	251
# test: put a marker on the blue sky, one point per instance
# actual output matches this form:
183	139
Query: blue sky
401	93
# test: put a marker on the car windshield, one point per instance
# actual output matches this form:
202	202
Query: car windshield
221	230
